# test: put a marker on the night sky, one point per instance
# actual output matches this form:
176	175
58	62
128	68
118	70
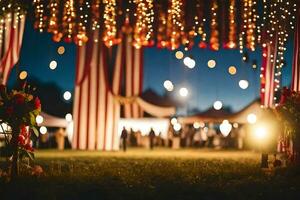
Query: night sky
205	85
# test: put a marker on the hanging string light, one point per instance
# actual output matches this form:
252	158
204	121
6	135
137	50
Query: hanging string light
214	35
110	23
95	14
250	24
39	15
200	26
232	26
175	23
162	29
81	36
53	20
69	18
143	30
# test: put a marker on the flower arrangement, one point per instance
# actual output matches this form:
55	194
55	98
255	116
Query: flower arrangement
18	111
288	112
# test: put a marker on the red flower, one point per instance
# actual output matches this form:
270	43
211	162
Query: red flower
21	140
37	103
9	110
19	99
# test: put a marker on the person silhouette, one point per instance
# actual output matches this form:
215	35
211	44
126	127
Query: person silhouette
124	135
151	137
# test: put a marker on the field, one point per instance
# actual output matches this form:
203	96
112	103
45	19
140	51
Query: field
158	174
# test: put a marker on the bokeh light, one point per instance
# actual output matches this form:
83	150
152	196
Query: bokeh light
53	65
168	85
218	105
23	75
183	92
243	84
179	55
232	70
67	95
211	63
43	130
251	118
61	50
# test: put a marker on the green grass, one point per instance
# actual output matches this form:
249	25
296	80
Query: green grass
158	174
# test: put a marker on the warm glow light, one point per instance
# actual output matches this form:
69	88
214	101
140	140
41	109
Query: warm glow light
68	117
251	118
235	125
218	105
43	130
67	95
260	132
211	63
39	119
53	65
177	127
196	125
179	55
225	128
189	62
183	92
23	75
168	85
232	70
243	84
173	121
61	50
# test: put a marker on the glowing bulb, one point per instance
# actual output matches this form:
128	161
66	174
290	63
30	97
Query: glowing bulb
179	55
211	63
232	70
39	119
53	65
189	62
243	84
43	130
168	85
67	95
23	75
218	105
183	92
68	117
251	118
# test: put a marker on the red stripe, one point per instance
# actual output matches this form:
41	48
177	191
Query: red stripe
97	98
104	66
78	52
88	111
141	76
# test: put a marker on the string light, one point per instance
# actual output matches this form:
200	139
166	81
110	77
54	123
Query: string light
69	18
39	15
143	30
53	20
95	14
110	24
214	35
232	26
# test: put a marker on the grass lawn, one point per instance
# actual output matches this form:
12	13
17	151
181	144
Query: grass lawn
158	174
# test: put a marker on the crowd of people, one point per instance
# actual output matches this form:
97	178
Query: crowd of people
208	136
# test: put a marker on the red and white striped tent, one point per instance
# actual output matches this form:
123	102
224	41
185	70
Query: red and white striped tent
11	36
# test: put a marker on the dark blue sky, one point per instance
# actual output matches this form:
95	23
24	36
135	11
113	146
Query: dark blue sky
205	85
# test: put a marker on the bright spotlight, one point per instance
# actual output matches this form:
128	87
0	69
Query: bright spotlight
177	127
39	119
211	63
251	118
68	117
243	84
67	95
260	132
168	85
53	65
183	92
43	130
218	105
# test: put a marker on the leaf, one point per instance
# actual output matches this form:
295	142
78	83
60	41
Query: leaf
36	132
